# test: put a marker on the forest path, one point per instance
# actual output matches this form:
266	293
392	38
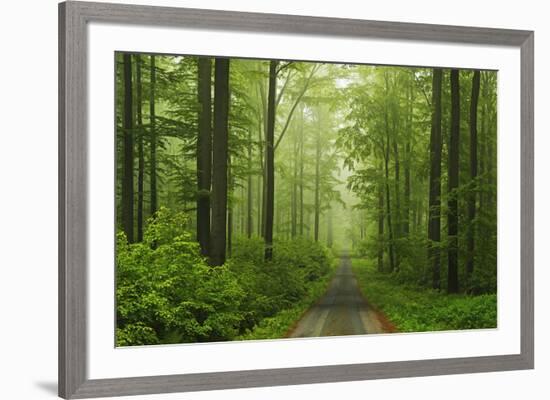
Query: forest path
342	310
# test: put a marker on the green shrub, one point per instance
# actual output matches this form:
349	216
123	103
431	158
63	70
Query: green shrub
165	287
276	285
167	293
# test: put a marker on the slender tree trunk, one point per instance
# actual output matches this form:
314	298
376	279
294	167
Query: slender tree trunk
483	138
141	161
407	191
330	236
317	180
259	202
270	161
473	172
263	153
204	153
380	228
249	221
434	219
388	210
302	171
230	204
398	223
294	197
243	212
452	200
260	186
128	171
153	149
387	176
218	233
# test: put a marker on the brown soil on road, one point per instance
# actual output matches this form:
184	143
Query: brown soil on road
341	311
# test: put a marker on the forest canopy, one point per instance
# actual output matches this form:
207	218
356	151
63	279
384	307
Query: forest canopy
239	184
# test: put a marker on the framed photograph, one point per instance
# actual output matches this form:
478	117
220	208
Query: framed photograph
253	200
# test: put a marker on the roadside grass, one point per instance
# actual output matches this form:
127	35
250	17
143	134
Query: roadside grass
414	309
279	325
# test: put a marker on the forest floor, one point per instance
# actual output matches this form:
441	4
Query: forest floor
342	310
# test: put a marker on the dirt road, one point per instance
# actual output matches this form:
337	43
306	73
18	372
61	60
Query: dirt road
341	311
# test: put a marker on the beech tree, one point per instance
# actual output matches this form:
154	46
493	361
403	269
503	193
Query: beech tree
128	177
218	234
204	153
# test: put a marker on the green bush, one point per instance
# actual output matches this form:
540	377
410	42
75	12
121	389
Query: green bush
278	284
167	293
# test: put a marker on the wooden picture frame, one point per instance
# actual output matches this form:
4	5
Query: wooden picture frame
73	202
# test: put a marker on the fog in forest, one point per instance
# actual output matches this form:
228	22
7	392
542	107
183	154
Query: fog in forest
244	185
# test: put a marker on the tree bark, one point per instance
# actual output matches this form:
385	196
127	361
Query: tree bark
407	190
231	186
128	170
270	161
434	219
398	223
380	228
301	230
330	237
204	153
218	235
386	150
294	197
483	137
141	161
452	200
153	149
249	221
388	210
473	172
317	179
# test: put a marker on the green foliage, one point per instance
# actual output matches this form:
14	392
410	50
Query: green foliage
166	292
280	324
279	284
415	309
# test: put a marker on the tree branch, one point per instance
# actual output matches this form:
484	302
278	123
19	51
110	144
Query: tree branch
298	99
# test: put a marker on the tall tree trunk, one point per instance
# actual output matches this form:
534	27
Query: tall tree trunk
219	163
270	161
452	200
473	172
302	171
230	204
398	223
259	202
483	137
153	150
249	221
380	228
388	209
434	219
263	153
317	179
407	190
294	197
386	150
204	153
141	161
260	186
330	235
128	172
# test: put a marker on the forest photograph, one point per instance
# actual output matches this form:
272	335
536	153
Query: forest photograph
271	199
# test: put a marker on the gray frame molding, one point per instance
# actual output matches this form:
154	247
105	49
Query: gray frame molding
73	19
